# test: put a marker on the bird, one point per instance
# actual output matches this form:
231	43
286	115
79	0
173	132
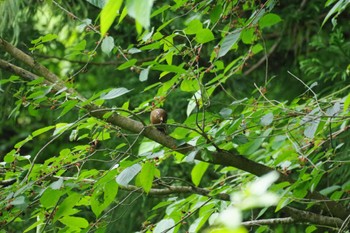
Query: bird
158	117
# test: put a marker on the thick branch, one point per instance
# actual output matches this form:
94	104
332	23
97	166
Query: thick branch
296	215
28	60
8	182
273	221
178	190
225	158
306	216
19	71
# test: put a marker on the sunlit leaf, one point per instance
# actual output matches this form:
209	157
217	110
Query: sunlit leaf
128	174
107	44
98	3
109	12
169	68
165	225
66	206
144	74
114	93
57	184
346	103
50	197
204	36
20	200
140	11
42	130
248	36
193	27
267	119
228	42
146	176
127	64
268	20
74	222
198	171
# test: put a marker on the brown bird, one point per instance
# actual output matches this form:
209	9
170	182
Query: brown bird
158	118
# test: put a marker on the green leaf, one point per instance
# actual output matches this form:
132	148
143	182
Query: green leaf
50	197
160	10
330	190
128	174
248	36
67	106
123	15
169	68
127	64
338	7
311	128
346	186
165	225
346	103
252	146
80	46
57	184
97	3
310	229
20	200
67	205
269	20
193	27
103	195
48	37
146	176
267	119
74	222
189	85
61	127
216	13
109	12
225	112
21	143
107	44
140	11
12	79
10	157
204	35
144	74
199	222
105	191
192	103
114	93
284	201
198	172
42	130
34	225
257	48
228	42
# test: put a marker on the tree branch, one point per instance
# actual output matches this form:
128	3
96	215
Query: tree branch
306	216
108	63
225	158
296	214
178	190
8	182
273	221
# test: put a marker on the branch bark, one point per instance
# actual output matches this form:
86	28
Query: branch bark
273	221
296	215
225	158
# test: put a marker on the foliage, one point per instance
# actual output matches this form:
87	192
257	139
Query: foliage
258	117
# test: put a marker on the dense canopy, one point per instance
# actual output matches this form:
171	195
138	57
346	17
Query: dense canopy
253	136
